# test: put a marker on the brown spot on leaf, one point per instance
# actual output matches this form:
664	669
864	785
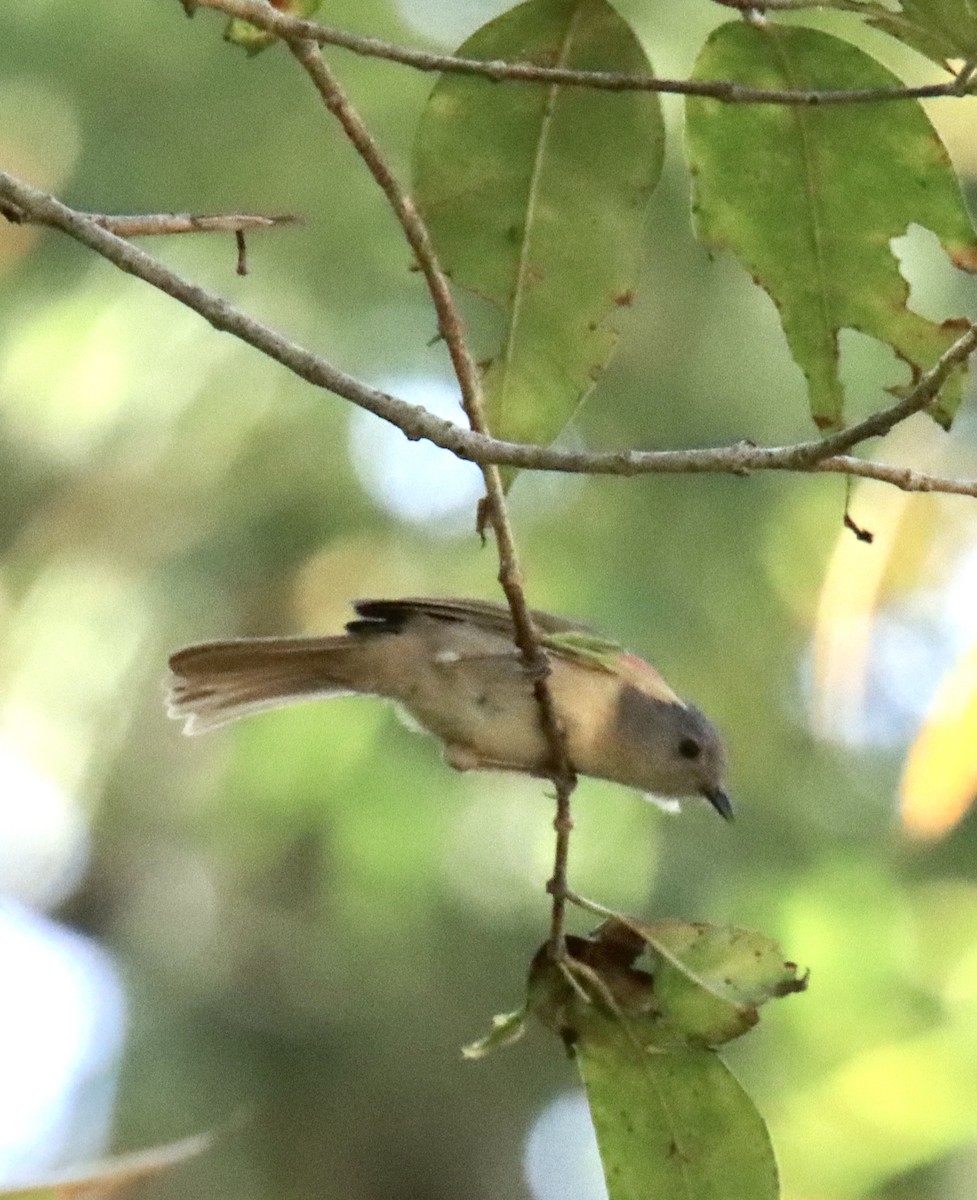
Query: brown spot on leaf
964	257
534	275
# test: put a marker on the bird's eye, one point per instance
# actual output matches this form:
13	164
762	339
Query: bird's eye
689	748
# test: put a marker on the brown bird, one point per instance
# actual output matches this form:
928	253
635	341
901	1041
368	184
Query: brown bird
453	666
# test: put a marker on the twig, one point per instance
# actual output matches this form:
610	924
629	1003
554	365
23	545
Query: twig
790	5
451	329
904	478
260	13
154	224
964	77
417	423
449	322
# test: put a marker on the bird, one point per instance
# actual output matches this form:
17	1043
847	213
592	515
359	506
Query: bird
453	666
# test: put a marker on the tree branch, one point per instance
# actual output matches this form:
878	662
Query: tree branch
451	328
827	454
289	28
904	478
154	224
790	5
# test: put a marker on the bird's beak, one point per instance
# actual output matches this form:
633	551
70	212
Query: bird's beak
720	802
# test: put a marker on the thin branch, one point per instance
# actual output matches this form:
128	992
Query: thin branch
289	28
449	322
791	5
417	423
904	478
964	77
154	224
451	328
151	224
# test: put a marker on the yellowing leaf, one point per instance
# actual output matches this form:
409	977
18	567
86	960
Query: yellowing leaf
939	782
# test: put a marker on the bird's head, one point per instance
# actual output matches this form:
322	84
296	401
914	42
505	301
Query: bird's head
671	749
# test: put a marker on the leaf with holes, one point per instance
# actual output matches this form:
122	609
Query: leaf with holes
639	1005
536	196
810	197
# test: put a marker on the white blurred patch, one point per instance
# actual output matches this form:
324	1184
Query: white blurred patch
61	1025
561	1159
884	696
448	24
73	376
894	616
501	812
45	840
416	482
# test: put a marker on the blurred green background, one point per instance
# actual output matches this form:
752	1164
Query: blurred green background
285	931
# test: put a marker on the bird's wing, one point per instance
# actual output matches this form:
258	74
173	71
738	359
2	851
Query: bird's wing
567	639
486	614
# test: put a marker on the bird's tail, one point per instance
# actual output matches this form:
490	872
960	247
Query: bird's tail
216	682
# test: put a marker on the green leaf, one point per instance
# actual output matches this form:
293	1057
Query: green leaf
809	199
673	1125
671	1120
940	29
711	981
536	198
252	37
